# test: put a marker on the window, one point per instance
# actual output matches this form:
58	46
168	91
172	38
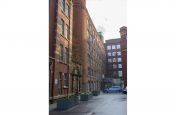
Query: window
109	60
67	10
119	65
119	59
118	53
61	52
89	71
113	53
62	28
91	39
114	66
120	73
118	46
91	62
60	83
108	47
109	53
66	55
92	72
89	59
88	34
67	35
88	47
113	47
114	60
63	5
65	79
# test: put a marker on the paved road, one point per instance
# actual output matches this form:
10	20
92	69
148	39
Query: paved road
104	104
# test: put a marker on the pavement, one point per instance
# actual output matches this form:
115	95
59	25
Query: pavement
104	104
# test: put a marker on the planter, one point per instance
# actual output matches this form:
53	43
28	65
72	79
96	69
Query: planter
90	96
96	93
64	104
84	97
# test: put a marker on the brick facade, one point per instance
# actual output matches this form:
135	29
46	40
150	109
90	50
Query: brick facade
116	61
88	48
60	47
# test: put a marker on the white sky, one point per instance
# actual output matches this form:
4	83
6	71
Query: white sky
108	16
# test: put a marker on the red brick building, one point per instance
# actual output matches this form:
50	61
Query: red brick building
60	47
116	59
88	48
123	34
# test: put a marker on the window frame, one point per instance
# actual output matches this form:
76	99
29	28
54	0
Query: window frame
63	5
119	59
62	27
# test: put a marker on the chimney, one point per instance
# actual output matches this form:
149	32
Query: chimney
123	32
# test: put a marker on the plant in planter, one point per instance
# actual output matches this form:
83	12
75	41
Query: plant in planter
86	96
96	93
67	102
89	95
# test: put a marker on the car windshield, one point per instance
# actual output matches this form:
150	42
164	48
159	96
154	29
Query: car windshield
115	86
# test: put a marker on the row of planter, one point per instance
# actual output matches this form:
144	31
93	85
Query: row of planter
68	102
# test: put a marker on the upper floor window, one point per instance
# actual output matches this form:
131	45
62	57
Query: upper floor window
118	46
65	79
119	65
62	26
108	47
113	53
118	53
113	47
66	55
61	52
119	59
63	5
114	60
88	35
89	59
89	71
67	35
109	53
120	73
109	60
67	10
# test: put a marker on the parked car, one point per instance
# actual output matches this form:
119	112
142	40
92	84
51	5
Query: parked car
124	91
113	89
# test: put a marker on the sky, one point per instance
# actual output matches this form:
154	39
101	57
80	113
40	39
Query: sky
108	16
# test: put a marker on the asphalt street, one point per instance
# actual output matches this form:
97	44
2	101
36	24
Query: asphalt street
104	104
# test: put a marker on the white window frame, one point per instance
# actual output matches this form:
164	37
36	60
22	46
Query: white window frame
120	74
109	47
118	46
109	53
119	59
119	65
113	46
119	53
109	60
